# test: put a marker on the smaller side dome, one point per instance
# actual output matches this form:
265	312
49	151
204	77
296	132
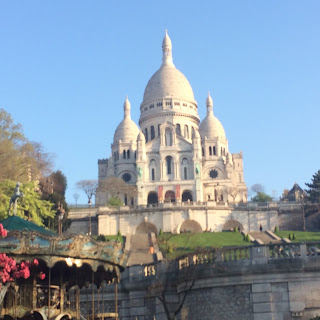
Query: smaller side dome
211	127
127	130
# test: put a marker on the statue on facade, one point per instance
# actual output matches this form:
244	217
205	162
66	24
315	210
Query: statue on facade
13	201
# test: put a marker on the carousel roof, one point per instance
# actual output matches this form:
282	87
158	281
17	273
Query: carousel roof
16	223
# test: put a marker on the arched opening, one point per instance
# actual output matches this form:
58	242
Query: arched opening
146	134
178	129
230	225
169	161
152	133
128	154
190	226
146	227
214	150
202	152
186	196
210	151
185	173
170	196
152	168
124	154
152	198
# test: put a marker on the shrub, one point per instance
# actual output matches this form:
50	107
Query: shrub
247	238
290	237
293	237
160	232
119	234
235	229
276	229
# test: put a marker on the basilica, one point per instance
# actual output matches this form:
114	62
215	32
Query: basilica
173	156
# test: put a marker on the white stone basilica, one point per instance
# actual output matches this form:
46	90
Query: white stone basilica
173	157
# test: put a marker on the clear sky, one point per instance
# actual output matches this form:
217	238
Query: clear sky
67	66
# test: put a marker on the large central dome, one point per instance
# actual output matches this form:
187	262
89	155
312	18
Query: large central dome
168	81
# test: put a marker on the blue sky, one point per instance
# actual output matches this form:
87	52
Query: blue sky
67	66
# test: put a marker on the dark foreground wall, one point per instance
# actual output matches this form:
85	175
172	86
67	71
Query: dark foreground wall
261	283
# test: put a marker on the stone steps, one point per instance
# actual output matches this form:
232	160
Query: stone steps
140	250
264	237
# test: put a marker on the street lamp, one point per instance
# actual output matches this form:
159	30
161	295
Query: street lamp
303	216
61	212
89	203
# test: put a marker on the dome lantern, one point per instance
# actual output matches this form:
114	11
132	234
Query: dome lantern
209	104
167	50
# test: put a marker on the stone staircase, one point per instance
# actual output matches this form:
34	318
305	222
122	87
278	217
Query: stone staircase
139	249
265	237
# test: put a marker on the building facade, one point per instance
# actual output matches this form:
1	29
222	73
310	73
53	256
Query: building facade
173	156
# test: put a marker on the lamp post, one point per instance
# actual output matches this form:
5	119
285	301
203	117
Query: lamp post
61	212
89	203
302	211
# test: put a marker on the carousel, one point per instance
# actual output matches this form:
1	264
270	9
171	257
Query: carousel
63	265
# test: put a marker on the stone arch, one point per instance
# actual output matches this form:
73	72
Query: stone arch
152	198
186	196
146	227
190	226
231	224
170	196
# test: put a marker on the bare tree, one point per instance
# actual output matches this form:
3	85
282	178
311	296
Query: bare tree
89	187
116	187
233	192
257	188
165	285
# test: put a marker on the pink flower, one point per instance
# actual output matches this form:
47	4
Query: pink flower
41	275
35	262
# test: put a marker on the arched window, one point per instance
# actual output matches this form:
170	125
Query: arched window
125	199
117	156
135	154
193	132
158	130
124	154
185	173
152	172
202	152
146	134
184	165
214	151
186	132
114	156
210	151
178	129
152	133
169	164
128	154
168	137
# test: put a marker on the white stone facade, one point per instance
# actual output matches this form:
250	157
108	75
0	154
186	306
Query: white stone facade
173	157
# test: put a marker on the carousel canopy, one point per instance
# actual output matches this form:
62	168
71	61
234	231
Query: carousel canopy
16	223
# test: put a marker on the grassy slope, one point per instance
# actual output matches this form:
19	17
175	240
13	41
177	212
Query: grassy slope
189	242
300	235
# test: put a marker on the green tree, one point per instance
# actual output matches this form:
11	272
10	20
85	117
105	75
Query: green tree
20	159
314	188
115	202
30	206
261	197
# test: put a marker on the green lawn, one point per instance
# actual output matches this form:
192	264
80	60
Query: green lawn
107	238
301	236
179	244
